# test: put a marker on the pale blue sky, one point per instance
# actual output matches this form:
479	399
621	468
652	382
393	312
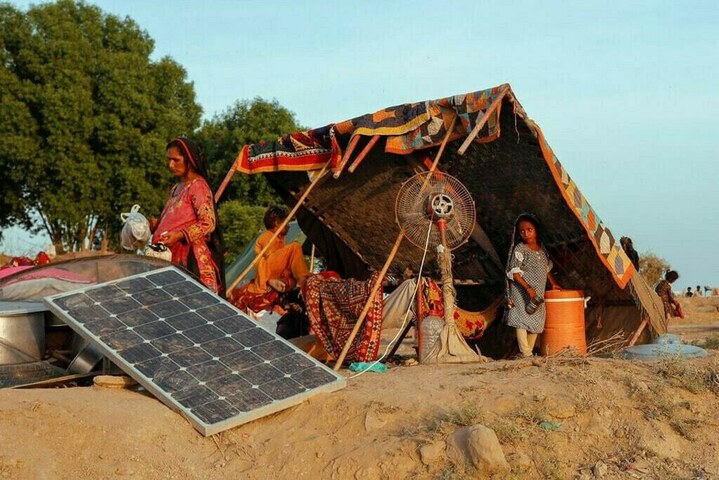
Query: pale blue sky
625	92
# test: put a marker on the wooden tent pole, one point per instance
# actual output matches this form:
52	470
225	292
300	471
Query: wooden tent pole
473	134
441	149
282	226
363	153
312	259
226	181
388	262
346	156
638	333
367	305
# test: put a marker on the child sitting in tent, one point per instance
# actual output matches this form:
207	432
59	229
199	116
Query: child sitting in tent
280	268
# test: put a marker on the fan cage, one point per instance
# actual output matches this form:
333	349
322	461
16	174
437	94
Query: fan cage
415	216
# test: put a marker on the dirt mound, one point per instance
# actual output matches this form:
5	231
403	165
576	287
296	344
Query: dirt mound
554	418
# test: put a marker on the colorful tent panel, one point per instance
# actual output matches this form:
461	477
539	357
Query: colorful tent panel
422	125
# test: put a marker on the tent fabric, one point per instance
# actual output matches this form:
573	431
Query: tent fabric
407	127
508	169
301	151
422	125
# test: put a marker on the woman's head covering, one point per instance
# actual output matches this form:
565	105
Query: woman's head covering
192	155
196	161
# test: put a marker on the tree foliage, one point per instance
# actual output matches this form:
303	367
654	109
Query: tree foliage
652	267
222	138
243	202
86	115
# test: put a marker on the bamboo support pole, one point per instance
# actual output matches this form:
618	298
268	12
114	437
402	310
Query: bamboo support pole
312	260
367	305
226	181
475	131
346	157
638	333
388	262
282	226
363	153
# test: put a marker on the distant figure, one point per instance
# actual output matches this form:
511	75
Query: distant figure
707	291
628	247
698	291
689	292
664	290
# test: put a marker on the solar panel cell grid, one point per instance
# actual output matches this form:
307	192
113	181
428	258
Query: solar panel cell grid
192	349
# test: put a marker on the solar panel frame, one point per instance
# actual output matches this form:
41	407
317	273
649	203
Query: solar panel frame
180	343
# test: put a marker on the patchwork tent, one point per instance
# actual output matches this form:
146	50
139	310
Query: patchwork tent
503	159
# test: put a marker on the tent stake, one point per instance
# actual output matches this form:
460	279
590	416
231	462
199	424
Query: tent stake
281	227
363	153
391	256
473	134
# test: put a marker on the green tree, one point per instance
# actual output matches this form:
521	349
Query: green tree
652	267
243	123
240	223
86	115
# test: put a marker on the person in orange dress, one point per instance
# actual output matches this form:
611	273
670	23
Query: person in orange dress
280	269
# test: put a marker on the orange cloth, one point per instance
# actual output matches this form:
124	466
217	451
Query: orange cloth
284	262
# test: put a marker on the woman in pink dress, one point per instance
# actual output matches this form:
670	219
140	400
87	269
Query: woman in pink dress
188	224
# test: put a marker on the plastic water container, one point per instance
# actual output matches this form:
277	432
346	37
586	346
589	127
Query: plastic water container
564	325
429	332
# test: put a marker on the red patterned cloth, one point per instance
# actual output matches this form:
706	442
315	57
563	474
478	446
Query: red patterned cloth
246	300
333	306
301	151
471	325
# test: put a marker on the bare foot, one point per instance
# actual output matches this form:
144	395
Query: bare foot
277	284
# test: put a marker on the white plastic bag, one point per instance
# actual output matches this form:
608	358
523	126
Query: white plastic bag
135	231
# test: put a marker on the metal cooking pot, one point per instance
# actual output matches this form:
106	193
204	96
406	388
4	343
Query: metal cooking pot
86	360
22	332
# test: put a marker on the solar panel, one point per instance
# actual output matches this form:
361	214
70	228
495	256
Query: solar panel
193	350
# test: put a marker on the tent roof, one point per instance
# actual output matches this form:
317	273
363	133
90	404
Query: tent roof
508	168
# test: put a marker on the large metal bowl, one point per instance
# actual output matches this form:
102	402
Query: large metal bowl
22	332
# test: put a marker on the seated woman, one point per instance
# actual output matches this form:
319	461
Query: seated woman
280	269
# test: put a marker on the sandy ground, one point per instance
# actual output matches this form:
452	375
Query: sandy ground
554	418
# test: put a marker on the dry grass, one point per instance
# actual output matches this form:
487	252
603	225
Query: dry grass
709	343
696	379
699	311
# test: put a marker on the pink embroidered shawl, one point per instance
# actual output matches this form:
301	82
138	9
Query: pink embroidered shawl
190	210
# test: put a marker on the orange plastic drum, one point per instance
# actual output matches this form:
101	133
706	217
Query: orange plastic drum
564	326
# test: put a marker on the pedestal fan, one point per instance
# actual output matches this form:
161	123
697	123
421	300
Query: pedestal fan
439	206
